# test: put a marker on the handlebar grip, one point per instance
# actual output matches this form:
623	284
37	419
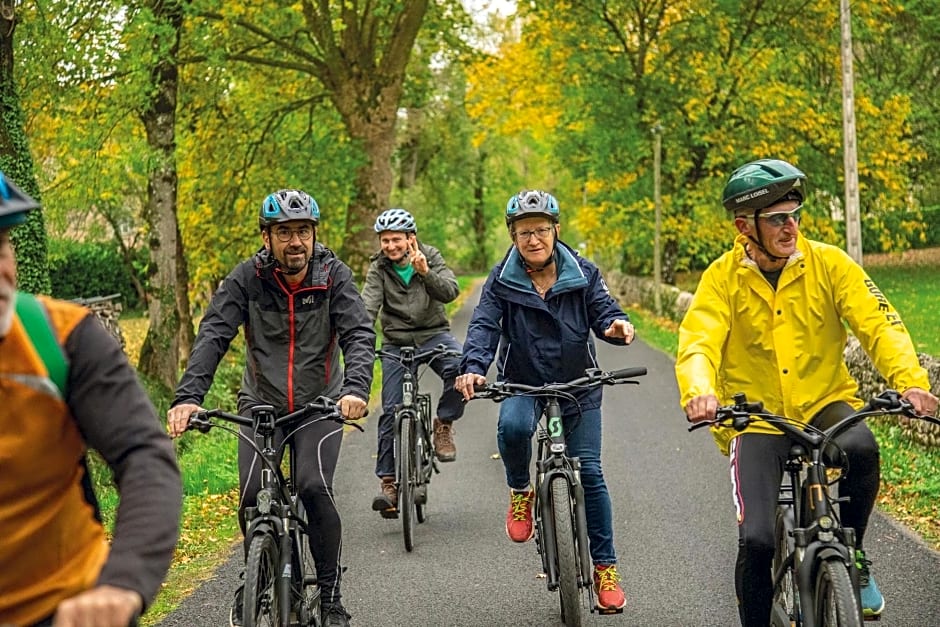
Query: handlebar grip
199	421
629	373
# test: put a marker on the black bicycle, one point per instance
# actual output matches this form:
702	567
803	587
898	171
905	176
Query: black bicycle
816	581
414	450
560	517
280	578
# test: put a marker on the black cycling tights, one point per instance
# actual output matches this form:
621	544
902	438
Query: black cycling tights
317	450
756	470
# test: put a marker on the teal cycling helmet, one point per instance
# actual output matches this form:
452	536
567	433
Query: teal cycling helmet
288	204
14	204
530	204
396	220
762	183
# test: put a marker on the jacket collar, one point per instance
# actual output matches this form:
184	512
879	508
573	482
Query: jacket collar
570	274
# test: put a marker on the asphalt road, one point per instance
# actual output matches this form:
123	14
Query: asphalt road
674	529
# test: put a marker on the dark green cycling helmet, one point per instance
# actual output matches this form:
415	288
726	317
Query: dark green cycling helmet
759	184
14	203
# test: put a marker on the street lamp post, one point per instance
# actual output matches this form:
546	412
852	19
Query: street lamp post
657	131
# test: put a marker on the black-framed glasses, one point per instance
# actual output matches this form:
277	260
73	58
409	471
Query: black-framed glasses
543	232
779	219
285	234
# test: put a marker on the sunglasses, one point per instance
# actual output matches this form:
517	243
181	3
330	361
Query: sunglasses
779	219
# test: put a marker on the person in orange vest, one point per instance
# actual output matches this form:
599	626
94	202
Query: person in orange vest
66	387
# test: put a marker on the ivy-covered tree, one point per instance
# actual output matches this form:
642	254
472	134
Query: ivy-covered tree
17	164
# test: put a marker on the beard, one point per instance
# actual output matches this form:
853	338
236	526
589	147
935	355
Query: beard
6	316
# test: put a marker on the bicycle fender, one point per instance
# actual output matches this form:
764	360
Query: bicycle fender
265	524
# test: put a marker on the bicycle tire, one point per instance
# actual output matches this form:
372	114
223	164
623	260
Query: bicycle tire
305	593
785	611
566	553
836	602
260	607
406	481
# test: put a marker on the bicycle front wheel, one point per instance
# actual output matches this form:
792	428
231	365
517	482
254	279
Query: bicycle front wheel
566	553
423	469
305	593
785	611
260	607
406	481
836	604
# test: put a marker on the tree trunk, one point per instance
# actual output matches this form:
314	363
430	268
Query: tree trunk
159	355
187	335
480	259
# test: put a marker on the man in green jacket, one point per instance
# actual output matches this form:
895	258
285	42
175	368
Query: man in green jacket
409	283
767	320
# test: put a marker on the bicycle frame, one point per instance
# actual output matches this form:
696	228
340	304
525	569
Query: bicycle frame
553	461
553	464
277	510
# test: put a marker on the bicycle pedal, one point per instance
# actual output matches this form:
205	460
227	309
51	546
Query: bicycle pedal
872	618
389	513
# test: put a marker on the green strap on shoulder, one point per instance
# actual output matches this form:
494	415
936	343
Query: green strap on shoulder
39	329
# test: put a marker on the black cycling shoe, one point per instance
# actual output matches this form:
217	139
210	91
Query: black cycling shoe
334	615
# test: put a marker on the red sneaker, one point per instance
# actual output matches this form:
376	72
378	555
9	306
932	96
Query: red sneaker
610	596
519	525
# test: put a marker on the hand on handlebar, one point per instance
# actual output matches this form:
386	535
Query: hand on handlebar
701	408
923	401
352	407
466	383
177	418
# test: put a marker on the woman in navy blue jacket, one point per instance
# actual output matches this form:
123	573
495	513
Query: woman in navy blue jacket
538	307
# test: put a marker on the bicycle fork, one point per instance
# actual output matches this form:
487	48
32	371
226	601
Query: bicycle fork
551	470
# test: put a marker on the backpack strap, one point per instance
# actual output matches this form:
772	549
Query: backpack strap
39	329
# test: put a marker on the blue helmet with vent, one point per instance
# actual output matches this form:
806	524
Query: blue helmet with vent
286	205
530	204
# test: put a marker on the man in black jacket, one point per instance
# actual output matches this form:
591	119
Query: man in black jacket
300	307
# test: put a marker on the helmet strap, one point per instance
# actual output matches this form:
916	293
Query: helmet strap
757	241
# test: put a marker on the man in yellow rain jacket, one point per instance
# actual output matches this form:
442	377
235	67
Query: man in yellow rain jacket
767	320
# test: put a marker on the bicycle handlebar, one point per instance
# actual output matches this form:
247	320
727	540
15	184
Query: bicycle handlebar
741	413
327	407
593	377
441	350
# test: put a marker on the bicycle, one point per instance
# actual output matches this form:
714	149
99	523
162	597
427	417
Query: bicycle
280	578
560	516
415	461
815	579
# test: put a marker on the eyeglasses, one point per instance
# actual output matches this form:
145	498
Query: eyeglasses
779	219
542	232
284	234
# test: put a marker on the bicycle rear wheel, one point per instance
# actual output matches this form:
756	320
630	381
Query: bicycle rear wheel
260	606
836	604
305	593
566	553
785	611
406	481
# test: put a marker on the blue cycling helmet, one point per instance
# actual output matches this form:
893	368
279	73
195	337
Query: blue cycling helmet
288	204
396	220
14	203
530	204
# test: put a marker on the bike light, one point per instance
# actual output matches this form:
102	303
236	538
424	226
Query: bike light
264	501
826	522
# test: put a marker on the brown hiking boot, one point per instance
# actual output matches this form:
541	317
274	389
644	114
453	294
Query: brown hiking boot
444	446
386	503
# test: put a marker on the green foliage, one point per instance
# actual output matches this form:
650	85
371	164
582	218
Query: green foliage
87	269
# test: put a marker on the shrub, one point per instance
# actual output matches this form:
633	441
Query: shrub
87	269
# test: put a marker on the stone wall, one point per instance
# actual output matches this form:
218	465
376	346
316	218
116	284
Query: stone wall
631	291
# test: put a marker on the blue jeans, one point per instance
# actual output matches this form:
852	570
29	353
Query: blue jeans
518	419
449	408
